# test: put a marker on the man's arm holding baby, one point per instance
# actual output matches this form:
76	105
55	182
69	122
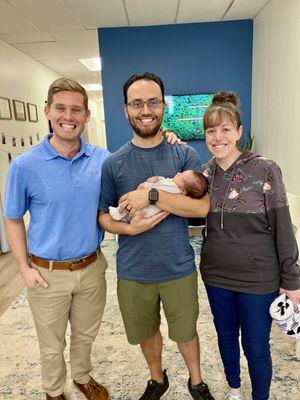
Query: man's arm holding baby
178	204
138	224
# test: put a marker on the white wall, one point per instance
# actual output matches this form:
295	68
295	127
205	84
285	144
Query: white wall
96	127
22	78
276	87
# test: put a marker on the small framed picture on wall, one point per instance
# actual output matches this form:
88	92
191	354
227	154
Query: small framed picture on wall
32	112
19	110
5	110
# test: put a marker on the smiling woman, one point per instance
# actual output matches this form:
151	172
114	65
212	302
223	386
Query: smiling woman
249	249
223	129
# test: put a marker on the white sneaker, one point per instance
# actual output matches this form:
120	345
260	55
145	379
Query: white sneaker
234	394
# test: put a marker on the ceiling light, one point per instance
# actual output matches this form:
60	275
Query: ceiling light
93	64
92	86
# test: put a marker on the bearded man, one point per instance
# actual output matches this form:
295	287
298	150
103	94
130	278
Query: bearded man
155	267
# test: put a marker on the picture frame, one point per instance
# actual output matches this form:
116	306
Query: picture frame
5	110
19	110
32	112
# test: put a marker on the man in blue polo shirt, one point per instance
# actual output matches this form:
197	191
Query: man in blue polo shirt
156	267
58	182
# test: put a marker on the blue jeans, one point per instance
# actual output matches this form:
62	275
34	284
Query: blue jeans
235	311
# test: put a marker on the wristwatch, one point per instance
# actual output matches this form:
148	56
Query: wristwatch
153	196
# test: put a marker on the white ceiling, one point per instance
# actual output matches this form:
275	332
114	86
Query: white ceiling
58	32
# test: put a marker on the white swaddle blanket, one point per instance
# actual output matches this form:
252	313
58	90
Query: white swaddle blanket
165	184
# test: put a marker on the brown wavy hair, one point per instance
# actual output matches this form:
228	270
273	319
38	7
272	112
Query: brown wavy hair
224	105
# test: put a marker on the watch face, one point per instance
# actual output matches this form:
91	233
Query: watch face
153	196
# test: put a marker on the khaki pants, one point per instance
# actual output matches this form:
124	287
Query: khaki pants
75	296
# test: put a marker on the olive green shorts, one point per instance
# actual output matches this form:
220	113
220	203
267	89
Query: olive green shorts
140	308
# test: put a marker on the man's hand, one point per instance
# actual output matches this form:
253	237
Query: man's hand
133	201
32	277
293	295
140	224
171	137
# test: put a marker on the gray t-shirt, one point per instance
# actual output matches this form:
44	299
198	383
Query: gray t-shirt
164	252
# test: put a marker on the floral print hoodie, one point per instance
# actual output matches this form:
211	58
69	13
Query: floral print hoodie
249	244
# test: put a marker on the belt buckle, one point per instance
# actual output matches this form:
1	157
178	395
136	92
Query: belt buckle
74	262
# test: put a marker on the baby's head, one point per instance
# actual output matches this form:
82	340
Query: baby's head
191	183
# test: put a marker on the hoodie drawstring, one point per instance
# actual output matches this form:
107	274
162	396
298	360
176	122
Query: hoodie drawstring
224	198
211	189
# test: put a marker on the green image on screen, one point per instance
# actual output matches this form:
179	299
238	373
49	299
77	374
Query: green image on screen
184	115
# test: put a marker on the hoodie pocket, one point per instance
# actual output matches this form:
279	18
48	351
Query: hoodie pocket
228	262
266	261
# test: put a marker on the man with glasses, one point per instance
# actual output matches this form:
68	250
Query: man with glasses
155	267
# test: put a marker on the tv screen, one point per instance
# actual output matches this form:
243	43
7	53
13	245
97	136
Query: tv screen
184	115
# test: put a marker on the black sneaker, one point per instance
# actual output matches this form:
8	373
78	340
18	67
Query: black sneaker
155	390
201	392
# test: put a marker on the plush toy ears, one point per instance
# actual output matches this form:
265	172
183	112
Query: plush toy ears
281	308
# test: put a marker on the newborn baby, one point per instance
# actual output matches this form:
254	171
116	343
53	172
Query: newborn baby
189	182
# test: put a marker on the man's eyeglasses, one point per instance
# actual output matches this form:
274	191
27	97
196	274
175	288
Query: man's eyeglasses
139	104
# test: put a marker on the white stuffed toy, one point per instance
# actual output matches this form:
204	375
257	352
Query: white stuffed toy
286	316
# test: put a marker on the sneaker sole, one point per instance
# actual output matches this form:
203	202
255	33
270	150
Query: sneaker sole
165	393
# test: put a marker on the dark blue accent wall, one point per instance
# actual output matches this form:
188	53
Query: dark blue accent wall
190	58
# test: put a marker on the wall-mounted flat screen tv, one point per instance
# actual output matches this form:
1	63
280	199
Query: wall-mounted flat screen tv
184	115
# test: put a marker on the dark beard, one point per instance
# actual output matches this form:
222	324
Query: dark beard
148	133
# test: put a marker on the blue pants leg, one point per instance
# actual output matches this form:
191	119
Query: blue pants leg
255	330
233	311
226	319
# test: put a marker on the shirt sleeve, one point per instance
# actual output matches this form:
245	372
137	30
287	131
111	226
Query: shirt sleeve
281	227
108	195
192	160
16	200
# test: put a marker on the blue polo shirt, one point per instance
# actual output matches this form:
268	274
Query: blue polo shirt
62	197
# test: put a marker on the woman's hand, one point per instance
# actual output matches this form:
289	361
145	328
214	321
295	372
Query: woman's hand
293	295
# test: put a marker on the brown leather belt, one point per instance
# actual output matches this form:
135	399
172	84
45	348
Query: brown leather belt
71	265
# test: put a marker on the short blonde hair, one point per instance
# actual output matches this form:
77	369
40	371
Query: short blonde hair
70	85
